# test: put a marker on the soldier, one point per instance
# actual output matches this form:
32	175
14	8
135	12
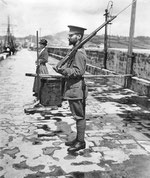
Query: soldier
41	68
74	91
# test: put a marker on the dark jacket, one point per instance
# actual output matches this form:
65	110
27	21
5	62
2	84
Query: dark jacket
74	69
43	57
41	69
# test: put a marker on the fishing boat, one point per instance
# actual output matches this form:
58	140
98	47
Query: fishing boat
9	41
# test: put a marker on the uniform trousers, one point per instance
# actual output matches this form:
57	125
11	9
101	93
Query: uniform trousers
76	107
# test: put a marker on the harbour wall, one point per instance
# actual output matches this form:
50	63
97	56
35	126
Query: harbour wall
117	63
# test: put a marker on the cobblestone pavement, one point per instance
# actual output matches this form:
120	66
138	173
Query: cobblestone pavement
32	145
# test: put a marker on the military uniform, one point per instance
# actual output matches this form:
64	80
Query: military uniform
74	88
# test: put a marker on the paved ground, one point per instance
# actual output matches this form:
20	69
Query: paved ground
32	145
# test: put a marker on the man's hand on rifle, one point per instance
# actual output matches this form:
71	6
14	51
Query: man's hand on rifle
37	63
58	70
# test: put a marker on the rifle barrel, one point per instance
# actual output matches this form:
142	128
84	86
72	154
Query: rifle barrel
58	76
67	57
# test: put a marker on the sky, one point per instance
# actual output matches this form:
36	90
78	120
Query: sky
49	17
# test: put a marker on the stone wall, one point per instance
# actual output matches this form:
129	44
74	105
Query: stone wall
116	64
141	66
116	61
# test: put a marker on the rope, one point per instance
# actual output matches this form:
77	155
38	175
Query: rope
126	8
110	10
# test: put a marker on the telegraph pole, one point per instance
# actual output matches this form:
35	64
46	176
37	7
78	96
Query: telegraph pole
105	39
129	65
131	36
107	14
132	27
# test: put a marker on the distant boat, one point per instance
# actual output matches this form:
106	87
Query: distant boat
9	42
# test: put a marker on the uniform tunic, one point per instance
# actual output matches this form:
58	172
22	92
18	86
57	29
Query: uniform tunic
41	69
74	69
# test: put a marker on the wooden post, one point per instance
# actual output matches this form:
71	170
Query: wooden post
37	71
105	40
132	27
129	65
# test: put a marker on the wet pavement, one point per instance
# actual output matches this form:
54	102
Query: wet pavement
32	145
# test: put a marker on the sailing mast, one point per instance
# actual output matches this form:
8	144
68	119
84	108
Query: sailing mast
9	39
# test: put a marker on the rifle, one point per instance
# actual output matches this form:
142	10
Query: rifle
74	50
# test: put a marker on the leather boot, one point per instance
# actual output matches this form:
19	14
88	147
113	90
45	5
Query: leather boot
77	146
71	143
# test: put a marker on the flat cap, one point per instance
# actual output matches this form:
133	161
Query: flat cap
43	41
76	29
